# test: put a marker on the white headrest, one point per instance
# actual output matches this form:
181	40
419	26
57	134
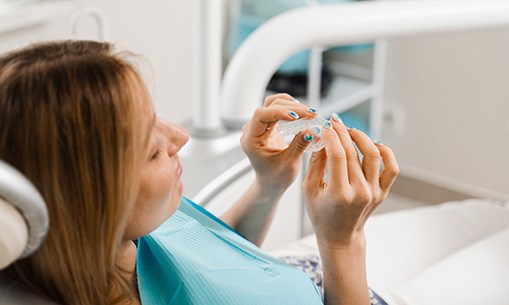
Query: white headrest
23	216
13	234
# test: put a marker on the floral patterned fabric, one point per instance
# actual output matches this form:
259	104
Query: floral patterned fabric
312	266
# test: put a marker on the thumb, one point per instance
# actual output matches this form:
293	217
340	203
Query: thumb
299	144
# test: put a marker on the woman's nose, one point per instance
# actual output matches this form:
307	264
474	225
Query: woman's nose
177	137
182	136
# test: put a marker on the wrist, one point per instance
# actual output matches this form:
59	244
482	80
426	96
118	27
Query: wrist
352	244
268	191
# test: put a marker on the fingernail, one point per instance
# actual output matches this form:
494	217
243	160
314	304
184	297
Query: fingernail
295	100
327	125
378	143
312	110
293	114
350	128
335	117
308	137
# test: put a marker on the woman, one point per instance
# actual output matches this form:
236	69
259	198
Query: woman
77	120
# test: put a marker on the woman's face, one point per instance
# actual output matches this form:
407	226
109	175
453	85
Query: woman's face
160	187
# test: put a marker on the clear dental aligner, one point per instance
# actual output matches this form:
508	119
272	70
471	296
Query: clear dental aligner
289	129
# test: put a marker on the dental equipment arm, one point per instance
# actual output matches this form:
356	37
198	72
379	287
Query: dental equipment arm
259	56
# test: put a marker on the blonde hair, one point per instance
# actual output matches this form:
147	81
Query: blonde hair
73	119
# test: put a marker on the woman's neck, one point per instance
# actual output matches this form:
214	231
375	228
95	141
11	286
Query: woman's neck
127	261
127	257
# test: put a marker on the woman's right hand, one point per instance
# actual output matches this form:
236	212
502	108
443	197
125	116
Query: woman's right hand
340	205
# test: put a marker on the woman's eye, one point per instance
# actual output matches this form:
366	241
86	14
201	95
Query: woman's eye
155	155
159	147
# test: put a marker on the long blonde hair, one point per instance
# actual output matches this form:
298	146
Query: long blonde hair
73	119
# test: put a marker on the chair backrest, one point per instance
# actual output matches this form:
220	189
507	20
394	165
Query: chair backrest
23	225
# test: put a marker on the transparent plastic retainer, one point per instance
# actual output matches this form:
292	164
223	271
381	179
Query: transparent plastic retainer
289	129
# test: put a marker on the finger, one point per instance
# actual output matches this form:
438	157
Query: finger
355	173
305	111
299	144
391	169
271	98
336	157
387	178
371	156
264	118
316	171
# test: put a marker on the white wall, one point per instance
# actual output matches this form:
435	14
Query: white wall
454	95
159	31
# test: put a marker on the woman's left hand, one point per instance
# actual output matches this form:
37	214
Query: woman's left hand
275	163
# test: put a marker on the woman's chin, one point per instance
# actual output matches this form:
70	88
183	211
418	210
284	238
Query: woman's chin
176	197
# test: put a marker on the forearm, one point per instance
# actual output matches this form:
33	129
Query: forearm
344	274
253	212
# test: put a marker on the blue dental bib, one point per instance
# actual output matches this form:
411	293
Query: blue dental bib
194	258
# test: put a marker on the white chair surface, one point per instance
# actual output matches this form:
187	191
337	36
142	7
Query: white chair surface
429	255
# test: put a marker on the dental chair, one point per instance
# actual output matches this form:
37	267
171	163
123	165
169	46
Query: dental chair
23	225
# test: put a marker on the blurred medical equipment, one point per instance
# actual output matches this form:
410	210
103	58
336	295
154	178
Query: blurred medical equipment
353	22
97	15
250	69
207	67
292	75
